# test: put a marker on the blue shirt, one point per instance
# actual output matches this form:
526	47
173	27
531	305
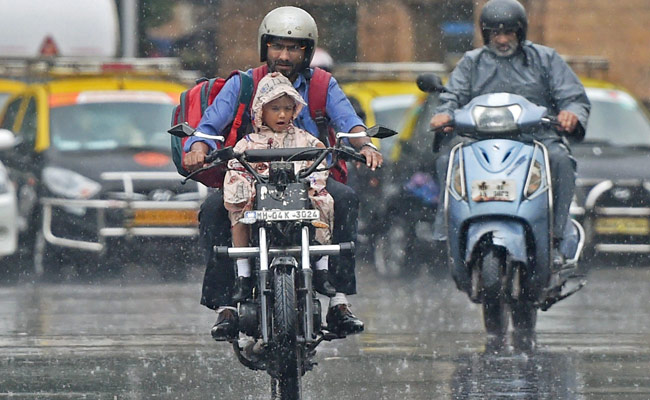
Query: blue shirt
220	113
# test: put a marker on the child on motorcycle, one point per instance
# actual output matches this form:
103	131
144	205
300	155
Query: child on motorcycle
275	106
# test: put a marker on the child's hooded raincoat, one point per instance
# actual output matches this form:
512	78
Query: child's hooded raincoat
239	185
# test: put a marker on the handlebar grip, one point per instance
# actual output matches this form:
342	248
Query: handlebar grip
221	155
347	247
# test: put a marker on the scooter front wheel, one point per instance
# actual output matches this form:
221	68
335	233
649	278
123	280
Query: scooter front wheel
495	307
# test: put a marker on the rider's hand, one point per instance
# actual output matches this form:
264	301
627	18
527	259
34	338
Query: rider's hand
440	120
195	158
567	120
374	159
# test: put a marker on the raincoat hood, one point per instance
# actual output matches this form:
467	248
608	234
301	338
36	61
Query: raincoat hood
271	87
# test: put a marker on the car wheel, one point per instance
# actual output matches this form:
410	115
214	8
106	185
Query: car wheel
46	259
392	252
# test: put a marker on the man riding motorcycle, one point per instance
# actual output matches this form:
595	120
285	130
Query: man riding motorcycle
509	63
287	38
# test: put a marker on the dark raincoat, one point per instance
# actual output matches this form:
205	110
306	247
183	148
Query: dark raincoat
536	72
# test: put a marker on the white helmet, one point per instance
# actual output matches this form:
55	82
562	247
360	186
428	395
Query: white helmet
291	23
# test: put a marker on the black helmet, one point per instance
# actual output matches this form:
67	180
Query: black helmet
503	14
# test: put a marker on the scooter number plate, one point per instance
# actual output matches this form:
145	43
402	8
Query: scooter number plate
494	190
282	215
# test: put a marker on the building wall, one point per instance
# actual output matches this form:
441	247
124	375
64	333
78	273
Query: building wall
409	30
616	30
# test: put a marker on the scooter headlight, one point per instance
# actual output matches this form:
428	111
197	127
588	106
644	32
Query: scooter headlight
458	182
496	119
534	181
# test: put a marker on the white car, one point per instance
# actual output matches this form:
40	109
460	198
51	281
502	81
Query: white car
8	203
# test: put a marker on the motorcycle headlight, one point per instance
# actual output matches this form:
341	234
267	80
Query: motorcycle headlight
496	119
65	183
534	181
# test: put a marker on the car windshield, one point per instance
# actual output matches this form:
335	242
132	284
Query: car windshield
616	118
110	125
390	112
3	98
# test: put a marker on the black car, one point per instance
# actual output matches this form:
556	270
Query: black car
613	187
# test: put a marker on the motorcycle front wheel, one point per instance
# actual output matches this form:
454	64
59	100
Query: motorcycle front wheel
287	354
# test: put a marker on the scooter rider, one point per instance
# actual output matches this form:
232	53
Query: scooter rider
287	39
509	63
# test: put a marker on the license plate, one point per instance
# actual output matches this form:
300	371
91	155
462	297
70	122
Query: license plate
281	215
165	218
622	226
494	190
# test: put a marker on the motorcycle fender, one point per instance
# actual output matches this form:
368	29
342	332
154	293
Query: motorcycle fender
507	234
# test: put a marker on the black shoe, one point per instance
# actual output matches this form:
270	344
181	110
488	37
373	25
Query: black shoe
243	288
322	284
341	321
226	327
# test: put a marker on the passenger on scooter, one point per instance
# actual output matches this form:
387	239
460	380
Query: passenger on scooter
287	38
274	108
509	63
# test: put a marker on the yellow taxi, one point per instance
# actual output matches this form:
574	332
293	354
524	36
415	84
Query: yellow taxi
93	165
383	94
8	87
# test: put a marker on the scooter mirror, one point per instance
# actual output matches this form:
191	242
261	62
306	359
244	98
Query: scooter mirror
429	82
380	132
181	130
7	139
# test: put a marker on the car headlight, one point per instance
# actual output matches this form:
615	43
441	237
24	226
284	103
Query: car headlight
66	183
496	119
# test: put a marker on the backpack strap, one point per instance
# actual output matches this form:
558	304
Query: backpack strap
317	100
246	90
259	73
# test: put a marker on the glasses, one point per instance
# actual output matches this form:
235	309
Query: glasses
293	48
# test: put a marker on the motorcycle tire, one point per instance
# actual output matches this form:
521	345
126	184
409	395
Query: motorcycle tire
287	354
496	313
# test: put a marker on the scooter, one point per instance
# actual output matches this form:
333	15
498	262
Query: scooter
499	213
281	321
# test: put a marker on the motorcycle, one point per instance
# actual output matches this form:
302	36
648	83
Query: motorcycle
499	213
281	321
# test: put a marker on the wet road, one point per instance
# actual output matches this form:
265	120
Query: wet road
132	339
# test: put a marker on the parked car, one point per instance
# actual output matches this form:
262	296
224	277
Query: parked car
93	167
8	206
383	94
613	185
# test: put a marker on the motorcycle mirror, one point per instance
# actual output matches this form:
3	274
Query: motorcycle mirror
181	130
429	82
7	139
380	132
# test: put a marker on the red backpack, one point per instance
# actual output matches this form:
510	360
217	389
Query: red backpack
195	101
